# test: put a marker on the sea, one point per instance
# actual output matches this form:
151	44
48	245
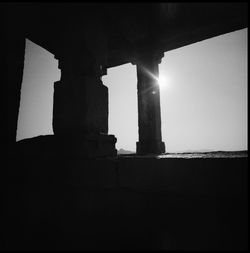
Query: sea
190	155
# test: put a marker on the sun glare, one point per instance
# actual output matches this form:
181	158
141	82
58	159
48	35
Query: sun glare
163	81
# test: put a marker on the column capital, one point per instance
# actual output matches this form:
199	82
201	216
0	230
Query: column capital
103	70
145	56
80	66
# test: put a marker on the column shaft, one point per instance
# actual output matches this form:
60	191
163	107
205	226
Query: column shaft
80	110
80	99
149	113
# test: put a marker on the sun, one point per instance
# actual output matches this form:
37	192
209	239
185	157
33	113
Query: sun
163	81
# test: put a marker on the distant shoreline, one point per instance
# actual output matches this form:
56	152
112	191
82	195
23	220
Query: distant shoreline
195	154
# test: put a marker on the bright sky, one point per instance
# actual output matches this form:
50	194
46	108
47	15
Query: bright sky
35	112
203	105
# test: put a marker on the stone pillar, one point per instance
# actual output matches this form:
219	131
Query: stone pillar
149	111
15	65
80	103
80	111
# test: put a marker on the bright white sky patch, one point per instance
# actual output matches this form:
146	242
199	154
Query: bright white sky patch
36	105
163	81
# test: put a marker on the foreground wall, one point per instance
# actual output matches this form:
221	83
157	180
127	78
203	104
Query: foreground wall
127	203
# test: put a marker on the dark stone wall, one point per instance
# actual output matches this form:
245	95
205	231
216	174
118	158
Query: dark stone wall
15	64
127	203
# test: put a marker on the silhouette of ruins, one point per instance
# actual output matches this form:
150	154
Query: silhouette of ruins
87	39
95	202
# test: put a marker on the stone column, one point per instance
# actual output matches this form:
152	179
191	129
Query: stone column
149	111
80	101
80	111
15	65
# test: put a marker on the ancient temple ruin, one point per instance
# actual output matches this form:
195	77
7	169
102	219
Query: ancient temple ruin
88	39
70	190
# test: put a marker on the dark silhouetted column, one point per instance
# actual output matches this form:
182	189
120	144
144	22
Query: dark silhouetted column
80	101
80	110
15	65
149	111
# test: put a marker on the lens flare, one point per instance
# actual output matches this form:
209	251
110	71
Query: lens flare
162	80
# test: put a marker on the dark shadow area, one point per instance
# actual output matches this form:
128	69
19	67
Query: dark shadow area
60	201
70	190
